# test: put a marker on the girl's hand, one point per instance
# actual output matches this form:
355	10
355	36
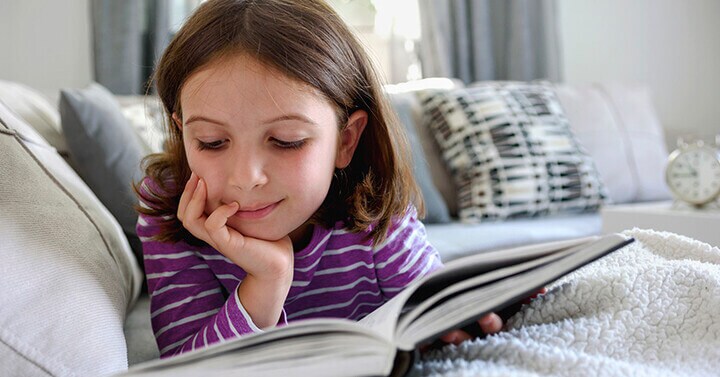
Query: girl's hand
264	260
489	324
269	264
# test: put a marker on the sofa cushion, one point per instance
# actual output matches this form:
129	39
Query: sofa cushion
139	334
36	110
68	274
105	150
618	127
511	152
452	240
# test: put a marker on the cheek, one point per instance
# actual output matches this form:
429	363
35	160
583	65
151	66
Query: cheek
315	171
203	167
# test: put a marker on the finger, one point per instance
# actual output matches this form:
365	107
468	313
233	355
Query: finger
195	212
196	205
216	225
450	336
187	195
455	337
491	323
461	337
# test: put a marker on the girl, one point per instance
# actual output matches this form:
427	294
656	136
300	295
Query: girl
285	191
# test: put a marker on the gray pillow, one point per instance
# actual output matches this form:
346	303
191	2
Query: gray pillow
68	274
436	211
105	151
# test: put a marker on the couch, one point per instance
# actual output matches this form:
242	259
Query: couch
73	302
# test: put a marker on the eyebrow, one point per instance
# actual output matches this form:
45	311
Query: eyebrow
298	117
200	118
292	116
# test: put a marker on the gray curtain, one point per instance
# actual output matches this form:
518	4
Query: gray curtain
129	36
475	40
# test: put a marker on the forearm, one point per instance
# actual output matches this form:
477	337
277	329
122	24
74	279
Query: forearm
263	299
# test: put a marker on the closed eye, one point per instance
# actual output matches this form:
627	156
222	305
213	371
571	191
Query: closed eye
297	144
213	145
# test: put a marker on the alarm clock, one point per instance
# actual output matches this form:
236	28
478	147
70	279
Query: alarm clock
693	173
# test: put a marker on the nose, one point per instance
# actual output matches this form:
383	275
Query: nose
247	170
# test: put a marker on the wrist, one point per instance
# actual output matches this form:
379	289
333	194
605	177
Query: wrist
276	272
273	282
263	299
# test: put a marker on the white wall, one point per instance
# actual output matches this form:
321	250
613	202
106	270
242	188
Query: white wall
672	46
46	44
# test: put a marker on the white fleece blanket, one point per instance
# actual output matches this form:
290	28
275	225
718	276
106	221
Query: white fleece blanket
650	309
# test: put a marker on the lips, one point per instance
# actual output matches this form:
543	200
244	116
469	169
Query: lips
255	207
256	212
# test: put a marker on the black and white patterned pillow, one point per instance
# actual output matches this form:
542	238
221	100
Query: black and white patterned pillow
511	152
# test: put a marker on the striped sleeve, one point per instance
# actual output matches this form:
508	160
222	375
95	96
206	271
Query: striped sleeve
405	256
189	307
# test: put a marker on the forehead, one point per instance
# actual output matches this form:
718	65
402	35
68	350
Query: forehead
239	85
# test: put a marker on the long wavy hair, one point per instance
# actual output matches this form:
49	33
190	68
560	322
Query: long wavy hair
307	41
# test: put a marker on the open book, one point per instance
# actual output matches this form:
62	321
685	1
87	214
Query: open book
382	342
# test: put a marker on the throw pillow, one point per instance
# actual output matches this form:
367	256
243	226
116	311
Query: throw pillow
105	150
68	274
511	152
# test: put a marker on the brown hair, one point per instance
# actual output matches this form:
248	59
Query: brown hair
307	41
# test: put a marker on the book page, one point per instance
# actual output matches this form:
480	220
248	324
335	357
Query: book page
296	341
467	267
385	319
482	279
321	354
468	305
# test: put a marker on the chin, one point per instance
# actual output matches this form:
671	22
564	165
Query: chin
260	231
266	236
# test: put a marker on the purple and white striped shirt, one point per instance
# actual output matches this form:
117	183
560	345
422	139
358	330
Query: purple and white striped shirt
339	274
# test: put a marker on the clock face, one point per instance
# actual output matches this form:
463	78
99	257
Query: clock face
693	174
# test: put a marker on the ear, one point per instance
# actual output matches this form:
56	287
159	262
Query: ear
349	138
178	122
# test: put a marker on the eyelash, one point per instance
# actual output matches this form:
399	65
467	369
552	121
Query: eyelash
297	144
213	145
218	144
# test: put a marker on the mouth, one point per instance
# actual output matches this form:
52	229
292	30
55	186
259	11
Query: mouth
256	212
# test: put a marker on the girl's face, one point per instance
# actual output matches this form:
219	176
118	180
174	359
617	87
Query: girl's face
265	141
